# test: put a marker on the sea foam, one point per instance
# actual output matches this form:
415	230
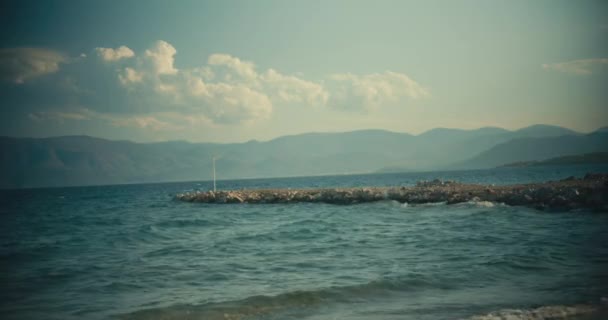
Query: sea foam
545	313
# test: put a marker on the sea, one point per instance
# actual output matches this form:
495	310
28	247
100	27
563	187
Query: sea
133	252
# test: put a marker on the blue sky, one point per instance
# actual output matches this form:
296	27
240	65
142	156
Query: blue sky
226	71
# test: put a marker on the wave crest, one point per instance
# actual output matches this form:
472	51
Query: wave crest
256	306
556	312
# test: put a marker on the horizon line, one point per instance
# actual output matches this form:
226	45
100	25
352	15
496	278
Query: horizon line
307	133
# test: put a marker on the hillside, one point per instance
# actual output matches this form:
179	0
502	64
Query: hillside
537	149
587	158
83	160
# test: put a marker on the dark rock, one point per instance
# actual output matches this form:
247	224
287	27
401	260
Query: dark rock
595	176
590	192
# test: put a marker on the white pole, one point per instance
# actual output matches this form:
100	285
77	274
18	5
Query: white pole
213	174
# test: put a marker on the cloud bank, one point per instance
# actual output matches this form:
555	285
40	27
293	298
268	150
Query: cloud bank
19	65
375	90
147	90
109	54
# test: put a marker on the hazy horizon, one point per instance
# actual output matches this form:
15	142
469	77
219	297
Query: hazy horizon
237	71
313	132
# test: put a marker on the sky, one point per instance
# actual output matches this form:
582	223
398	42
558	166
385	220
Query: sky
233	71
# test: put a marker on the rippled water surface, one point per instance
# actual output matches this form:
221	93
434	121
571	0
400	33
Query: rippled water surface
131	252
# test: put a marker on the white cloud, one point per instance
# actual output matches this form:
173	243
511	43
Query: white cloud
205	72
19	65
109	54
197	87
225	91
230	90
374	90
233	104
291	89
244	69
161	56
141	122
166	88
579	67
130	75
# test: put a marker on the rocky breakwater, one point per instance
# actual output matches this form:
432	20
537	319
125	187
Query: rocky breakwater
589	192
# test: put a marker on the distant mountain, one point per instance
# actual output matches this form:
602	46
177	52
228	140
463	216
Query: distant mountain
587	158
449	148
537	149
83	160
543	130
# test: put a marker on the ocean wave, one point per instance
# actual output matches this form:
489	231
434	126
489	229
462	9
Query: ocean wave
555	312
483	204
297	304
429	204
293	301
181	223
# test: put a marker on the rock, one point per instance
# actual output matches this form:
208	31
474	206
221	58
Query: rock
595	176
590	192
234	197
572	193
221	197
455	198
559	201
434	183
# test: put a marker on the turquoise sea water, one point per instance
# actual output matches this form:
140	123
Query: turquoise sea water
131	252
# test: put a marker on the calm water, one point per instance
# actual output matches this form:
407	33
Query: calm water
131	252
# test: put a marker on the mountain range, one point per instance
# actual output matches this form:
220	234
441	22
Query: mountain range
587	158
84	160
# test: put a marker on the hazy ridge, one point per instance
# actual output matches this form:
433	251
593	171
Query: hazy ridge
83	160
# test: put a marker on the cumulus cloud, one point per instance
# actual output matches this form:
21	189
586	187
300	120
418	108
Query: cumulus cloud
197	87
230	90
141	122
150	93
244	69
130	75
579	67
109	54
374	90
226	91
291	89
161	56
188	92
233	104
19	65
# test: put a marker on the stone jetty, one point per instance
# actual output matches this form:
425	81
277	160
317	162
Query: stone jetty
589	192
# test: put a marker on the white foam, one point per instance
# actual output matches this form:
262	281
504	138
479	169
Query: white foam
484	204
542	313
431	204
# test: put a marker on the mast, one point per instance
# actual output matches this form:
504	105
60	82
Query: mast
213	174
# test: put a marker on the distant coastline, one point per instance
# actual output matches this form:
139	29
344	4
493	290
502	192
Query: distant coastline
82	160
587	158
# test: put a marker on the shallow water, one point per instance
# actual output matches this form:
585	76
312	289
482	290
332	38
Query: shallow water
131	252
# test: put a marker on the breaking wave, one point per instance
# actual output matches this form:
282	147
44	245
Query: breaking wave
555	312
